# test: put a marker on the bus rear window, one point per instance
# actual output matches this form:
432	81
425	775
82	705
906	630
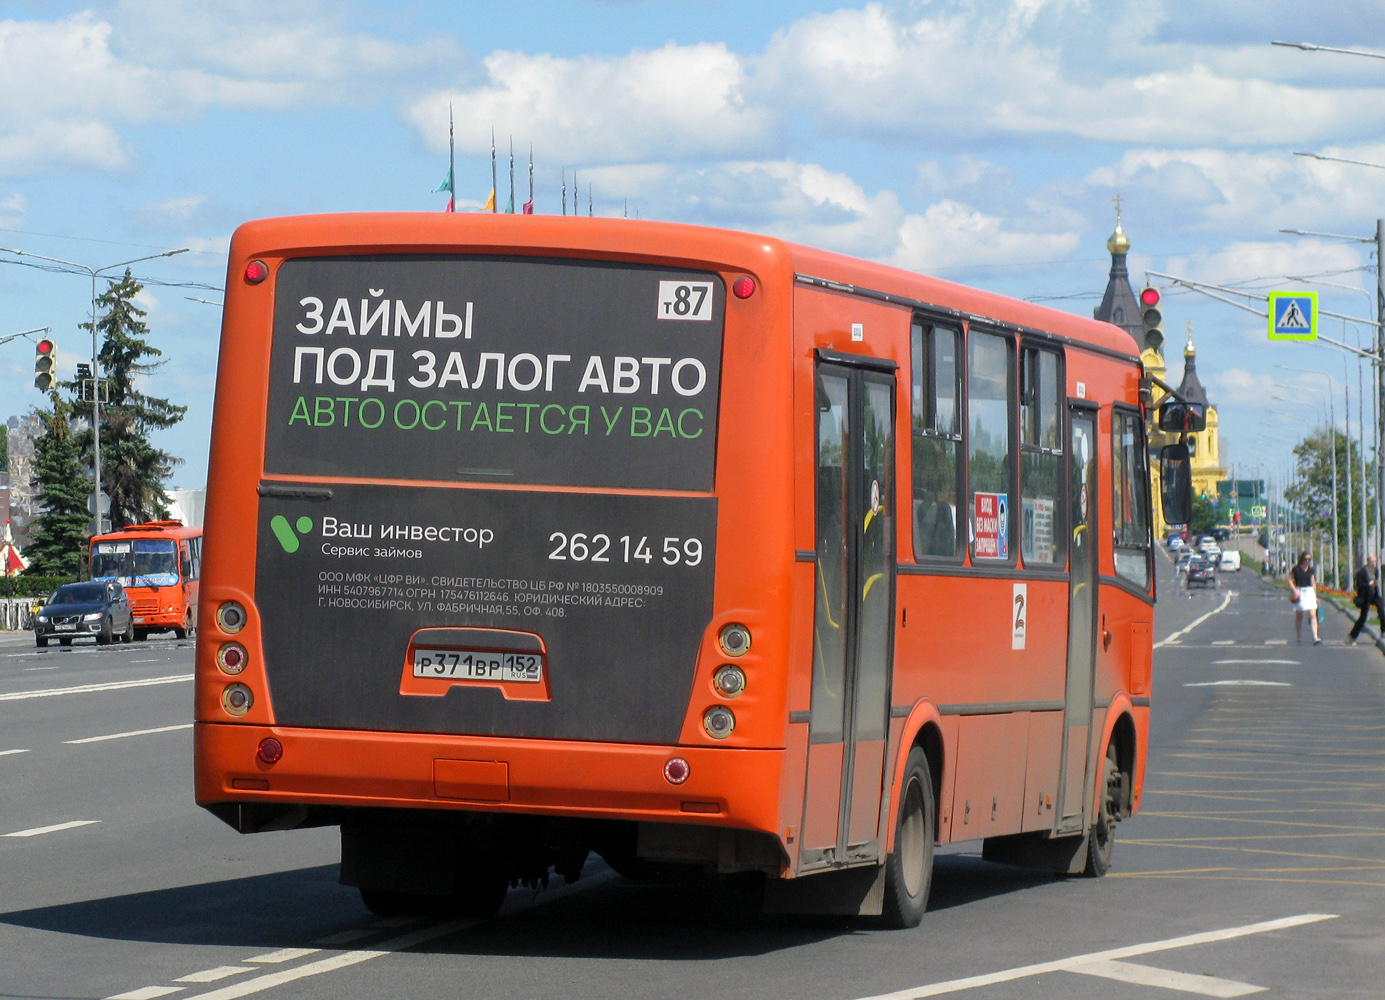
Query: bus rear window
139	562
495	369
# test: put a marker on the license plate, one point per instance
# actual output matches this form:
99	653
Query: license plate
139	621
478	665
65	628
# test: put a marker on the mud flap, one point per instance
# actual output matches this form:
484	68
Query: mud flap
849	892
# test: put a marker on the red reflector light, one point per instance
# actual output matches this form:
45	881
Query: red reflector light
256	271
1150	297
270	750
743	288
676	770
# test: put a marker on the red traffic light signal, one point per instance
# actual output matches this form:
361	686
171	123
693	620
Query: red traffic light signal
45	364
1149	297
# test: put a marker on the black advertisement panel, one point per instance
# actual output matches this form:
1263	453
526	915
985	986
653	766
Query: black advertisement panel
495	369
600	600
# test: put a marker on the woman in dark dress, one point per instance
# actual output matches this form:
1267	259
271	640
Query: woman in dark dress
1301	582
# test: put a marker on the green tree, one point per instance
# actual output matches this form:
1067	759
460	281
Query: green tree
1311	494
57	540
133	470
1205	516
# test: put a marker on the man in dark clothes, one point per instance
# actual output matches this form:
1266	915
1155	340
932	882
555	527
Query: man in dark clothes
1368	596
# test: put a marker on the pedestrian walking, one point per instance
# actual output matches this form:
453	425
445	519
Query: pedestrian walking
1304	596
1367	583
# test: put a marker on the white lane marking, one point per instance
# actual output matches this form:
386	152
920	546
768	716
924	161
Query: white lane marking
1144	975
1288	663
1238	683
1197	621
146	993
345	937
283	955
1130	951
54	828
134	732
212	975
6	753
342	961
1276	642
157	660
91	688
31	669
1223	642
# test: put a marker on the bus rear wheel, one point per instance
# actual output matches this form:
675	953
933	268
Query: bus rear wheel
1101	841
909	867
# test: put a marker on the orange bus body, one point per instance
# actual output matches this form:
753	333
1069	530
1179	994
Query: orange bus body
982	693
169	602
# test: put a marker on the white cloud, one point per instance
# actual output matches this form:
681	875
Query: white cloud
951	234
1239	387
1245	261
13	207
667	104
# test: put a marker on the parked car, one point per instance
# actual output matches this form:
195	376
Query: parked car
1231	560
98	610
1202	572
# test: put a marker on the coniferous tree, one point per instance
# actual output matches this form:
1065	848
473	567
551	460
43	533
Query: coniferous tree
133	470
57	539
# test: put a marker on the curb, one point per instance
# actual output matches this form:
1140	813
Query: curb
1351	616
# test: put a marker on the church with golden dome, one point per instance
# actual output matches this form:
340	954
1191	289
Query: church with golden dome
1120	307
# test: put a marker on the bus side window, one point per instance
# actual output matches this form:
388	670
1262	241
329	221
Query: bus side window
184	562
1130	510
990	448
937	440
1043	531
195	550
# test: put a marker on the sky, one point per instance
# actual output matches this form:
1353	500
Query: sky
977	140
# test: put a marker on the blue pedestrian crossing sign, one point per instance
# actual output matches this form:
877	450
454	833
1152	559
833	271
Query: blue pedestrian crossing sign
1293	316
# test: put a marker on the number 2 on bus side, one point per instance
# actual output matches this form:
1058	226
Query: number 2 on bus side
581	547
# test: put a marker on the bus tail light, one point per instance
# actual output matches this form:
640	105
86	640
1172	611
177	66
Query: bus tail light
270	750
719	722
729	680
676	770
237	699
230	617
256	271
743	287
231	658
735	640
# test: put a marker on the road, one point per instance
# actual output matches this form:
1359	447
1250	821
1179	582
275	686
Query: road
1257	863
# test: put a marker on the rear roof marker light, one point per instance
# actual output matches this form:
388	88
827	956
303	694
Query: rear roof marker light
256	271
743	287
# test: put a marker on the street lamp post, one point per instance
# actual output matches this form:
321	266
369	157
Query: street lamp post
95	362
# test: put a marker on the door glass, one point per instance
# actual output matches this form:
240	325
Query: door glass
829	618
990	471
1082	494
875	579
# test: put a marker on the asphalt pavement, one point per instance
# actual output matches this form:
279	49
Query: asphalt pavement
1256	865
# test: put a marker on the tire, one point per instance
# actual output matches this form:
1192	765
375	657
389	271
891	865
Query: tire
65	642
128	635
40	642
141	635
909	867
104	637
1102	838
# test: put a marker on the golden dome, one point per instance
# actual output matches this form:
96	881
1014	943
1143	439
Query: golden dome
1119	242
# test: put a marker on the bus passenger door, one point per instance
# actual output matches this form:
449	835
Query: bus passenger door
853	638
1082	615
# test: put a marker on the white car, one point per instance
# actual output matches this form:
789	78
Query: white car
1208	544
1175	543
1231	560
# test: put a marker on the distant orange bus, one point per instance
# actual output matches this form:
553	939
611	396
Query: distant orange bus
533	537
159	563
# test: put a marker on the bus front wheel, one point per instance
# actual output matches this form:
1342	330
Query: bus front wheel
182	631
909	867
1102	839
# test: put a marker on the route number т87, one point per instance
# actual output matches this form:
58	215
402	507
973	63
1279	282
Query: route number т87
582	547
685	300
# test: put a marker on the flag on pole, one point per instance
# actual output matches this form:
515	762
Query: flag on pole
489	206
451	203
529	205
511	206
446	184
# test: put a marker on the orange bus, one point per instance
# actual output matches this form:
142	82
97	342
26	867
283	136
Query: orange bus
530	537
159	563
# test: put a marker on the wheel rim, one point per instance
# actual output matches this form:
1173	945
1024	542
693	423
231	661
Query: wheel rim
912	839
1106	820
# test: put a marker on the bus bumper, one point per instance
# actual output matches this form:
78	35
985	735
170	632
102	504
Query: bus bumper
725	787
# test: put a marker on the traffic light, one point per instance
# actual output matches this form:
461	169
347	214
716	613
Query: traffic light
1152	318
45	364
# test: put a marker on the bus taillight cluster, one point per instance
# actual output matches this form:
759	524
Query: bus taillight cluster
729	680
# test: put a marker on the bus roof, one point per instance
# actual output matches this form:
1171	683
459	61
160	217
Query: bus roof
169	529
650	242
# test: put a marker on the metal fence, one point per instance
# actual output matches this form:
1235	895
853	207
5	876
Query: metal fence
17	613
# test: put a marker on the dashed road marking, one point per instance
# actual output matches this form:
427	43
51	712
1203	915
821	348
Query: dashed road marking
212	975
1112	954
38	830
1276	642
1196	621
1238	683
1223	642
92	688
283	955
1287	663
134	732
6	753
1144	975
147	993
